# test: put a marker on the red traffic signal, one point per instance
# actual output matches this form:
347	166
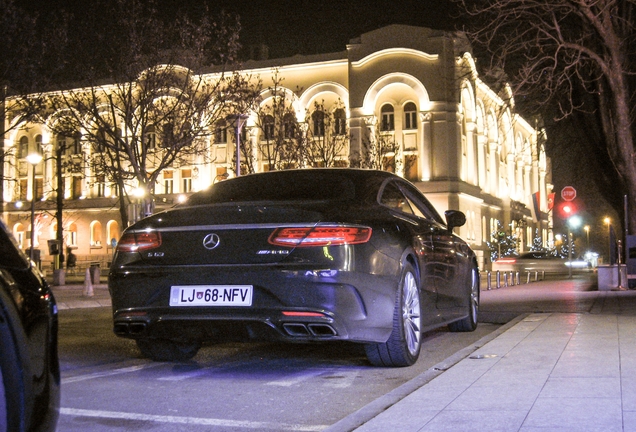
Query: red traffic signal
567	209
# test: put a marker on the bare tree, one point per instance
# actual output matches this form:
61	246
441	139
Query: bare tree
569	53
27	68
281	135
156	109
380	150
327	136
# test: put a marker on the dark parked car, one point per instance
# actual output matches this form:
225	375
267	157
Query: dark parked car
29	366
299	255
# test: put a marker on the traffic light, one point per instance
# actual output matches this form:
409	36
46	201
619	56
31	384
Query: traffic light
567	209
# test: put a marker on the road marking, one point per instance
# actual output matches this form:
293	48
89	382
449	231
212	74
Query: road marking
297	378
118	371
191	420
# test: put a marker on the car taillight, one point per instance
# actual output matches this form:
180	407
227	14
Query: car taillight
320	236
135	242
506	260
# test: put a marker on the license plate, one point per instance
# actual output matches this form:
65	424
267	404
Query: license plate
211	295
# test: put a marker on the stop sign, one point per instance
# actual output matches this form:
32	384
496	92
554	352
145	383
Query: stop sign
568	193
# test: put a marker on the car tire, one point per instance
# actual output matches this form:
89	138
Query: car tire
469	323
167	350
403	346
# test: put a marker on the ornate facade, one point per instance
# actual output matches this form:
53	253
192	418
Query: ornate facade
455	138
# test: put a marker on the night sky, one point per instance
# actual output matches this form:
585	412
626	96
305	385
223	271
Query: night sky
290	27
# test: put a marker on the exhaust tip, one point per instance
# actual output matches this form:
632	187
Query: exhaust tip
322	330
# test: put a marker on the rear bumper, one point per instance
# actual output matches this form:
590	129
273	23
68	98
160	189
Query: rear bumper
290	305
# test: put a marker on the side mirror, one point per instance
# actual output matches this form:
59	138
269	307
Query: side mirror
454	218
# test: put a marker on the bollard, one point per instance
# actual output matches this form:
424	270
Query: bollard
536	275
505	279
489	279
88	284
498	279
518	278
528	278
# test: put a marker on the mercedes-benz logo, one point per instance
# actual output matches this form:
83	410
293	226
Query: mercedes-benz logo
211	241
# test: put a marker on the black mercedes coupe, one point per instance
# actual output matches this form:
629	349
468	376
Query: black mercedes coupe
299	255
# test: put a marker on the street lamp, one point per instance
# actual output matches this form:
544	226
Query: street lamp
239	122
573	222
33	159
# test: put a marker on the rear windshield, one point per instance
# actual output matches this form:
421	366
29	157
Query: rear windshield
284	186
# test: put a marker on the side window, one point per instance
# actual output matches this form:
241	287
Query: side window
393	198
424	208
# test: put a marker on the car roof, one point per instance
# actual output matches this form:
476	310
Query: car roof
342	184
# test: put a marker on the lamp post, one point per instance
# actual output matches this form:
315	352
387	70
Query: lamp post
573	222
239	122
33	159
609	239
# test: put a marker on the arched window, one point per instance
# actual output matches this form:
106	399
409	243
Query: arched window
23	150
318	121
387	118
112	230
72	235
96	234
38	144
268	127
410	116
339	122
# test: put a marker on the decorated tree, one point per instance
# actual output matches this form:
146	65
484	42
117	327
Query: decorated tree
502	244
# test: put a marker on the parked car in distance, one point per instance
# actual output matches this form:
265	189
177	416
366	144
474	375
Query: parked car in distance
540	262
300	256
29	365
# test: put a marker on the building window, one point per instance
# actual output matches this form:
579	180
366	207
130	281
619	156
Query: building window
387	118
410	116
112	227
150	138
72	235
220	132
289	125
24	188
38	144
77	187
318	121
340	122
101	186
268	127
23	150
186	180
168	182
96	234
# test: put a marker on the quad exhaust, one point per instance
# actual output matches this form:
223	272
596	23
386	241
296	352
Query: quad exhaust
129	328
309	330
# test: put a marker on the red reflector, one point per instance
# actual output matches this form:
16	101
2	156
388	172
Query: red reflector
135	242
320	235
303	314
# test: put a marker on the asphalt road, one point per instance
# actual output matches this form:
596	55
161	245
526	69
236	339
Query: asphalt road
108	386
